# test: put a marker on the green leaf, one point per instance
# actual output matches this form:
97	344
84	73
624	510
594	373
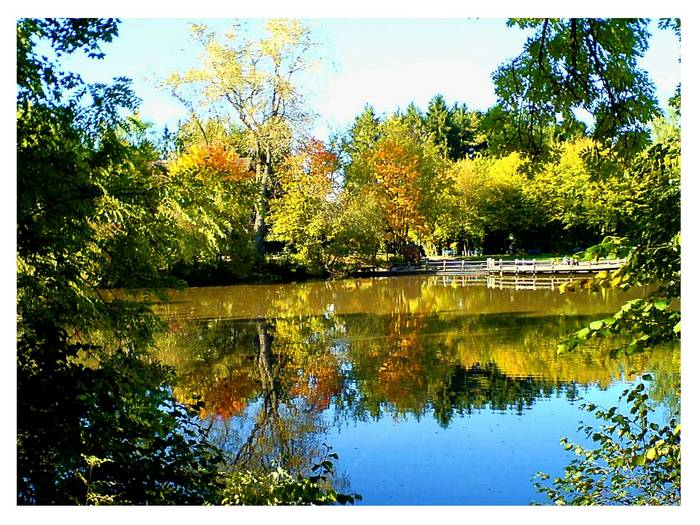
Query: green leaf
583	333
638	461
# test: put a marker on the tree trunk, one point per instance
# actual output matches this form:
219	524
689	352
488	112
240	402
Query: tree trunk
261	206
265	359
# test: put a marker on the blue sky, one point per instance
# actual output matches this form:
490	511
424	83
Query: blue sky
385	62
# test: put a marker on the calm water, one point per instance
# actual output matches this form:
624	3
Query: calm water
431	390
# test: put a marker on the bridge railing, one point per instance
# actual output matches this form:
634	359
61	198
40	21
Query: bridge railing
514	266
563	265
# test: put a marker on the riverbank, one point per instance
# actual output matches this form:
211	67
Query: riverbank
278	271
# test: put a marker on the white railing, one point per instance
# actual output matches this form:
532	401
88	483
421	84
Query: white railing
515	267
564	265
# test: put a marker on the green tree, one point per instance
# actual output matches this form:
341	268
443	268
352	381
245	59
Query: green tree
95	422
464	137
362	136
413	117
579	63
437	122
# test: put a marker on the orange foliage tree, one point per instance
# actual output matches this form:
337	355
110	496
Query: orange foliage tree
398	188
406	175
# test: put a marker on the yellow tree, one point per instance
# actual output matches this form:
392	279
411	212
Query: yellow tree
209	197
251	80
304	215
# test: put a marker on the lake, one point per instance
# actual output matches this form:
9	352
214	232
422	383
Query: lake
431	390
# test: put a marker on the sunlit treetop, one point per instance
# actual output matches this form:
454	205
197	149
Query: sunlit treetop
250	78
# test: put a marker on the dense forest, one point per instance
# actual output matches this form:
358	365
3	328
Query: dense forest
239	191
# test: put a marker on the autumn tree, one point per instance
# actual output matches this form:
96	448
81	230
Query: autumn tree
396	170
254	81
211	191
328	230
408	177
304	213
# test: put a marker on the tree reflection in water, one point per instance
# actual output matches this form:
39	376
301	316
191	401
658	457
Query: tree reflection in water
317	357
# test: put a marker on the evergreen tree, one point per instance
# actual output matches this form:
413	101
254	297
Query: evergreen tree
415	120
437	120
363	134
463	139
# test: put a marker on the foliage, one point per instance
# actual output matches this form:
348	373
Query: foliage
108	434
398	189
279	487
637	461
464	138
653	252
579	63
327	231
404	173
496	201
437	123
592	63
304	212
95	421
585	195
210	194
362	136
454	131
453	190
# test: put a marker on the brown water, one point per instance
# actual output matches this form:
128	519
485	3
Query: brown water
432	390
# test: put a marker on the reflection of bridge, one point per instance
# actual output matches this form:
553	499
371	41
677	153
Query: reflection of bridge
550	282
507	282
509	267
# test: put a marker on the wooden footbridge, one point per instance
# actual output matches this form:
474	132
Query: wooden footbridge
516	267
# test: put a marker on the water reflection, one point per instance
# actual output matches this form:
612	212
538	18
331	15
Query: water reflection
280	366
